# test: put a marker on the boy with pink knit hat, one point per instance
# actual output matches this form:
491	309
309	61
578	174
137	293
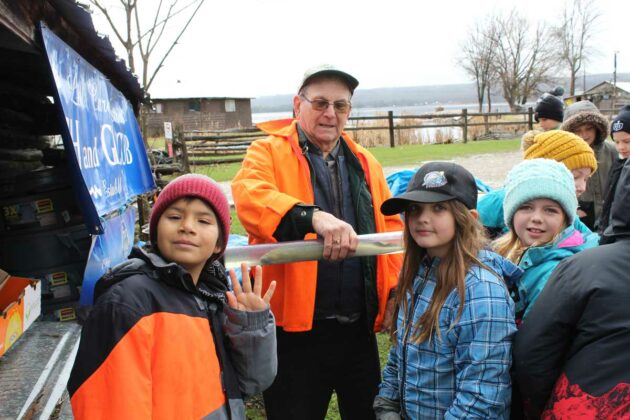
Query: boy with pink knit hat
166	338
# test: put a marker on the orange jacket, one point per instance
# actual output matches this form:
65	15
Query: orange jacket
275	176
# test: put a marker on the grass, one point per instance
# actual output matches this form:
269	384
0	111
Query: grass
415	154
397	156
236	227
222	172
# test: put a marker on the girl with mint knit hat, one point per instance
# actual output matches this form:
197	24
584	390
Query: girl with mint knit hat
539	209
561	146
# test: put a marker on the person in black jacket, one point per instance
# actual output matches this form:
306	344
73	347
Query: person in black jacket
166	338
620	134
571	355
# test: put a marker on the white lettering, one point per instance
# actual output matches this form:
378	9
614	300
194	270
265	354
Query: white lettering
113	189
78	87
115	146
73	128
90	156
107	140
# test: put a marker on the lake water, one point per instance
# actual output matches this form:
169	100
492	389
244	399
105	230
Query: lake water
423	135
398	110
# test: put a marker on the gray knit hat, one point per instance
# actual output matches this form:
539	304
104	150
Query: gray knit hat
621	122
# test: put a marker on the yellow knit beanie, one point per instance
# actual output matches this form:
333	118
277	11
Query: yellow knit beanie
528	139
563	147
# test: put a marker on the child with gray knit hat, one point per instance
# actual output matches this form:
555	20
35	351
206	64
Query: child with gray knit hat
539	208
584	119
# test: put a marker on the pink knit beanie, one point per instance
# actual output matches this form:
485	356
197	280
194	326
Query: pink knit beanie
193	185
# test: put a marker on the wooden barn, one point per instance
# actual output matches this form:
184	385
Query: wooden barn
605	96
199	114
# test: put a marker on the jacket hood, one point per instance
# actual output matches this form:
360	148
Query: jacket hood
501	266
584	112
620	210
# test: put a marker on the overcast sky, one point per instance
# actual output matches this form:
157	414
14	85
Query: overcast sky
262	47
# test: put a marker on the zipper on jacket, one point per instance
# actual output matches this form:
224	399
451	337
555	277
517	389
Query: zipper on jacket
304	150
412	308
212	314
356	204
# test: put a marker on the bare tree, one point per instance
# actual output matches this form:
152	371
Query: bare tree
141	38
478	56
574	36
524	57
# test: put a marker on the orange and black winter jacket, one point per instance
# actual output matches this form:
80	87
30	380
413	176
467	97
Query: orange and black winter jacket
154	347
274	177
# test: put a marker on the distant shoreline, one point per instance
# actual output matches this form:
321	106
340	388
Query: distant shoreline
398	110
453	96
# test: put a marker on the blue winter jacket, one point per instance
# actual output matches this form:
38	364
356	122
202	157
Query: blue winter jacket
465	373
539	262
490	208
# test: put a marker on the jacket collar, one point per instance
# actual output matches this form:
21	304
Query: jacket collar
212	282
537	254
288	128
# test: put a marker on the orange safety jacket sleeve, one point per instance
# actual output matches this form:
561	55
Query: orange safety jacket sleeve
261	204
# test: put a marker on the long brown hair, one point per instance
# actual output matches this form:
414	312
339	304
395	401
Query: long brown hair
451	272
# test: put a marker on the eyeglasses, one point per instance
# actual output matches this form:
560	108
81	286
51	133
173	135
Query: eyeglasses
341	107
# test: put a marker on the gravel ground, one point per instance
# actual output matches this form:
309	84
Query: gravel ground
491	168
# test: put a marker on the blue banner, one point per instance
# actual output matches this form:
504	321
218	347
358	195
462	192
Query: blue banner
100	134
108	250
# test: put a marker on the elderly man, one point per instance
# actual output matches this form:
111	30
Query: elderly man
309	179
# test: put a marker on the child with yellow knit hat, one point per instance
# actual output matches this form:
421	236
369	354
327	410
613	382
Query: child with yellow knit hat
561	146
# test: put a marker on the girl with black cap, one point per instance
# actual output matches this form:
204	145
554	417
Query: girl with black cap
455	320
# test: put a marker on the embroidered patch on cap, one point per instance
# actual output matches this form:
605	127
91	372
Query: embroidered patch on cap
434	179
617	126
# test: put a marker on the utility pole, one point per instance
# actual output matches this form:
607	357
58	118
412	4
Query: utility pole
583	80
614	98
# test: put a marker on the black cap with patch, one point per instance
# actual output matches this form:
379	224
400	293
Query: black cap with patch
435	182
621	122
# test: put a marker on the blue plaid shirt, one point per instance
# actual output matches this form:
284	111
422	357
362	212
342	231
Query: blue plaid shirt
465	373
